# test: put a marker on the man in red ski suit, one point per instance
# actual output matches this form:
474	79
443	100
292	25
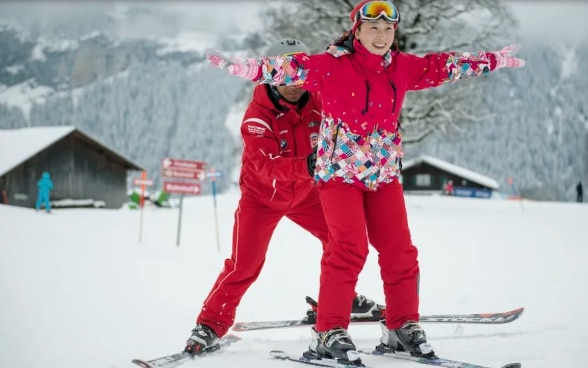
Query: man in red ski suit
280	130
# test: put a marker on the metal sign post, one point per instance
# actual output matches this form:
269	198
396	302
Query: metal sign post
143	182
212	175
186	170
181	188
180	220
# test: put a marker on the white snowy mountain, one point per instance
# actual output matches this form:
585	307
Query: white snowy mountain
130	74
133	76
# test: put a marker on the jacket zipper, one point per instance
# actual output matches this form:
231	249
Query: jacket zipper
367	98
394	90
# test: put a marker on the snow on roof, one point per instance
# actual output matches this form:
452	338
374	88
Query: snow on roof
18	145
453	169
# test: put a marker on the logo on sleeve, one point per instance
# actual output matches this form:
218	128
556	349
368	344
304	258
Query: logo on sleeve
256	130
283	143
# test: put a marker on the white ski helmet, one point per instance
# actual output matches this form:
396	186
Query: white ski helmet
287	46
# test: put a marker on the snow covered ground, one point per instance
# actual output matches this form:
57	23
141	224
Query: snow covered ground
78	289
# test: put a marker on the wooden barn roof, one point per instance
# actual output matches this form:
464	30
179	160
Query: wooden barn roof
19	145
453	169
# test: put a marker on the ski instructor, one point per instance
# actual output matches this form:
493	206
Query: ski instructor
280	131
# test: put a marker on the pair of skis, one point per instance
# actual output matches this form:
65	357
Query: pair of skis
174	360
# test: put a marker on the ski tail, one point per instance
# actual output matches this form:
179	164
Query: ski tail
479	318
437	361
174	360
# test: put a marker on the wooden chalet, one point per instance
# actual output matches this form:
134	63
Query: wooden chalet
83	170
429	175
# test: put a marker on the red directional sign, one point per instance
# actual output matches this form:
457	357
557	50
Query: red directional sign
146	182
172	163
182	174
181	187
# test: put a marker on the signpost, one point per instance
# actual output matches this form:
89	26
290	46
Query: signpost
172	163
212	175
143	182
189	171
186	170
182	174
514	193
181	187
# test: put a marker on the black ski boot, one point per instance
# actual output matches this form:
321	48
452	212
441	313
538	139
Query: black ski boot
363	307
410	337
203	339
333	344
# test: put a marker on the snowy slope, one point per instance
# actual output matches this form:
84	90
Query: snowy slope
79	290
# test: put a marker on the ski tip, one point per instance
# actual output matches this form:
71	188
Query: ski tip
278	354
231	338
512	365
239	326
141	363
518	310
313	303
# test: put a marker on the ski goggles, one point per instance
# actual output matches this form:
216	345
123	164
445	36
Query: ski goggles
375	10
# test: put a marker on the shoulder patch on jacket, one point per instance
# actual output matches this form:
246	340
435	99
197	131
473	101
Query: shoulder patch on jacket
258	127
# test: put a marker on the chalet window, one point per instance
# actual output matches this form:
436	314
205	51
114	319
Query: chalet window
423	180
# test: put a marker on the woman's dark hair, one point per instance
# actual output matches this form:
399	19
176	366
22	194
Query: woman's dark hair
346	38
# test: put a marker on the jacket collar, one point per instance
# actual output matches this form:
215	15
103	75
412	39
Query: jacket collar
369	58
273	97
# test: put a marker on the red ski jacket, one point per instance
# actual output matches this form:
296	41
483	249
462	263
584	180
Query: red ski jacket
277	138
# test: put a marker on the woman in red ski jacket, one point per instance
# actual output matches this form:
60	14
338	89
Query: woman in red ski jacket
363	80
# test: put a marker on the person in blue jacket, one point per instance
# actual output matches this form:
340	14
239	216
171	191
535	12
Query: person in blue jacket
45	186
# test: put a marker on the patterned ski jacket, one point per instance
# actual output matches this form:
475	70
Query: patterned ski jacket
277	138
360	140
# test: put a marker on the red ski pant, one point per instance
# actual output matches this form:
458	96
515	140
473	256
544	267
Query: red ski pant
354	216
252	232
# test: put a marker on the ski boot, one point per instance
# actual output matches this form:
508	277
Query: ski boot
333	344
410	338
203	339
361	307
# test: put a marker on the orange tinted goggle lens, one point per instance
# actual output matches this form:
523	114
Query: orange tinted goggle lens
292	53
376	9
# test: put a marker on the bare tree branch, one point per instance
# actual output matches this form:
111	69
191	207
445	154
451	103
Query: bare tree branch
425	26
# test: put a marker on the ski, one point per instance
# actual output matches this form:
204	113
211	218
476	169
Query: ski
282	355
174	360
438	362
379	314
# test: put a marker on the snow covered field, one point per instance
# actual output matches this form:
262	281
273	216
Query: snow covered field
77	288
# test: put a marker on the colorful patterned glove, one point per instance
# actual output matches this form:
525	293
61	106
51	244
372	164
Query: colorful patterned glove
504	58
245	68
